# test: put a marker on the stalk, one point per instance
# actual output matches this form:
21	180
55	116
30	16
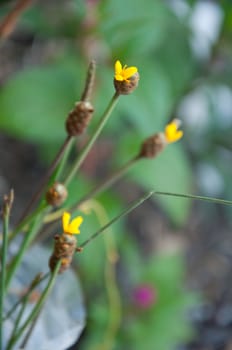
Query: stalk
37	307
93	138
7	204
116	218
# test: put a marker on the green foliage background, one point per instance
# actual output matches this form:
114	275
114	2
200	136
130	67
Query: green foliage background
35	100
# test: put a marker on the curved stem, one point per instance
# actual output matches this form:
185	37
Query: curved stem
114	300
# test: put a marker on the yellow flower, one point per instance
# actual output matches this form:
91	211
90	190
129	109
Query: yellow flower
71	227
123	73
172	133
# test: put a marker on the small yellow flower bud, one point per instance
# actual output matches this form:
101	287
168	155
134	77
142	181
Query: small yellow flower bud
79	118
126	79
153	145
172	132
57	194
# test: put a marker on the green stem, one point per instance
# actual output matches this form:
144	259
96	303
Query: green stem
116	218
191	196
16	324
30	330
30	289
27	221
39	304
100	187
63	161
109	181
90	143
27	239
46	178
115	306
7	203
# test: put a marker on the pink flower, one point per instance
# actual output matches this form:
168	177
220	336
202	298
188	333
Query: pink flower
144	296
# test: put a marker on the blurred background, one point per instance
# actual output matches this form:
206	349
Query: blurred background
162	278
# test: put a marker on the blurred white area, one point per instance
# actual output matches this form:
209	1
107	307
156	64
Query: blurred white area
204	19
194	110
222	103
179	7
209	179
205	22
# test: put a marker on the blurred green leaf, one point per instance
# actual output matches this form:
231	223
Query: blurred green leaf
169	172
167	316
35	103
127	33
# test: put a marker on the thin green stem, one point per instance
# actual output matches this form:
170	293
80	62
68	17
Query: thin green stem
39	304
3	271
30	289
105	184
30	330
27	221
7	203
115	306
109	181
16	323
93	138
46	178
63	161
114	300
191	196
27	239
116	218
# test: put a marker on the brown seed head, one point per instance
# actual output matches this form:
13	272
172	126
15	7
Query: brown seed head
64	248
79	118
57	194
153	145
126	87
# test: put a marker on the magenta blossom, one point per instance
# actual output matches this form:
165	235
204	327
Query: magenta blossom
144	296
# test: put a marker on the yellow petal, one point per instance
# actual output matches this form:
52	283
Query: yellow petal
172	133
75	224
65	220
119	77
128	72
117	68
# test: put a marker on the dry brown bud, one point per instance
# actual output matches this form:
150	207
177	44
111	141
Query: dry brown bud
126	87
79	118
64	248
153	145
57	194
